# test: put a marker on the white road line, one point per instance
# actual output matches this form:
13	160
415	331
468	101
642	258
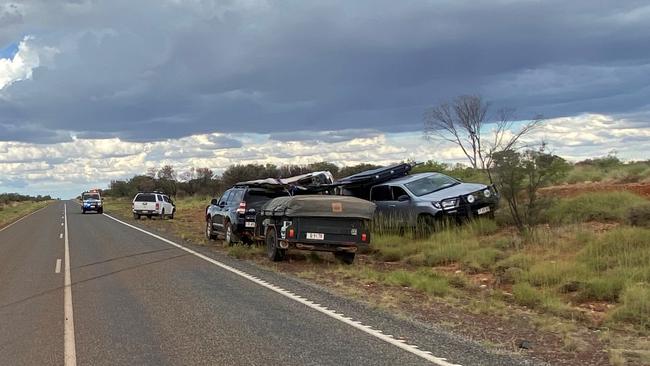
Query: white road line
57	268
375	333
61	236
61	224
22	218
69	351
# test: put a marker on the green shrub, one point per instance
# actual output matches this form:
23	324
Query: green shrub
635	307
527	295
606	288
623	247
594	206
482	258
555	272
423	280
639	215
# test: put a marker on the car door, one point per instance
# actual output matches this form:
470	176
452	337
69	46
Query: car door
220	210
168	205
402	205
382	197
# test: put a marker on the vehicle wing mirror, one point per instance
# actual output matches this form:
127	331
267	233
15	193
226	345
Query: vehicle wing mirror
222	204
403	198
214	202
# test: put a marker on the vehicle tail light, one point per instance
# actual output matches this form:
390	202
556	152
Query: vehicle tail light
292	233
364	237
157	205
242	208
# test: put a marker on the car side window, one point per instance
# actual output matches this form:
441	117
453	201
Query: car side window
224	197
380	193
236	197
165	198
398	191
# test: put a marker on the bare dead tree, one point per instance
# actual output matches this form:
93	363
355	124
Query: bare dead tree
463	123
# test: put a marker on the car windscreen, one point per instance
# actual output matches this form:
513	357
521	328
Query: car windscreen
90	196
145	198
431	183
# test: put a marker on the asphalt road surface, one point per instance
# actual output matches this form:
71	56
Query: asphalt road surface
138	299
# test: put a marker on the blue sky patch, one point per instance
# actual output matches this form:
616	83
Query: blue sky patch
9	51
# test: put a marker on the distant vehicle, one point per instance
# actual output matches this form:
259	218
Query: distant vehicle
336	224
92	201
233	215
410	200
151	204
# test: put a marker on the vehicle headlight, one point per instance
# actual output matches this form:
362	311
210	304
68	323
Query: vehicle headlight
487	193
470	198
449	203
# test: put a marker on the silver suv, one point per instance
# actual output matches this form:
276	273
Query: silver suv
426	196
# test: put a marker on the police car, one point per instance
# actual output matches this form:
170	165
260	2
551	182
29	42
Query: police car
92	201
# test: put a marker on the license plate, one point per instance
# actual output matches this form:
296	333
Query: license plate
250	224
483	210
315	236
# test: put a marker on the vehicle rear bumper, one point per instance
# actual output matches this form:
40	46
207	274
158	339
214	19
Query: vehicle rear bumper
326	247
145	212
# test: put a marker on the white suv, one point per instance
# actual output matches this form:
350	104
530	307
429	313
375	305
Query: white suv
153	204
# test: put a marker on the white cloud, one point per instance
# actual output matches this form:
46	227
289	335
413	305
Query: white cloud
68	167
21	66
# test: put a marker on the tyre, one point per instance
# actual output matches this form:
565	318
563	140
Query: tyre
274	252
209	233
425	226
171	217
344	257
83	212
136	216
149	217
162	214
100	211
230	237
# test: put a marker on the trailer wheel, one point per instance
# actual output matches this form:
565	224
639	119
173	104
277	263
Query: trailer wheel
272	250
345	257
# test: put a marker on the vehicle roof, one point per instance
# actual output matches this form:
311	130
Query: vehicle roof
409	178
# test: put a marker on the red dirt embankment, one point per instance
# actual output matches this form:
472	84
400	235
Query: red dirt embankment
568	190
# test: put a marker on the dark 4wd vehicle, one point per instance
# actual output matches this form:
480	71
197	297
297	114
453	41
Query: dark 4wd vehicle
232	216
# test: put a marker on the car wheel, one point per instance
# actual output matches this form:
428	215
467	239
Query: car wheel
230	236
136	216
344	257
171	217
209	233
274	253
83	211
100	211
162	214
149	217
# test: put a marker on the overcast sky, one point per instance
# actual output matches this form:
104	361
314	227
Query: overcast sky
97	90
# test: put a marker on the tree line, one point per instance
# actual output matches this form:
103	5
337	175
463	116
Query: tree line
204	182
17	197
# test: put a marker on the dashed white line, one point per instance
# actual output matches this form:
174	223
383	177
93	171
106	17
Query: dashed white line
61	236
322	309
69	349
57	268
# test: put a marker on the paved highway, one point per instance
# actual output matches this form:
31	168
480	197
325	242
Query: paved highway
138	299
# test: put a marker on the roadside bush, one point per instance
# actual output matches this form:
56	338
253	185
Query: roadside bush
554	273
527	295
635	308
606	288
581	174
594	206
639	215
481	259
624	247
423	280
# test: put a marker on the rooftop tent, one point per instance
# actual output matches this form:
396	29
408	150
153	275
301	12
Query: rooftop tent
359	184
319	206
306	182
375	176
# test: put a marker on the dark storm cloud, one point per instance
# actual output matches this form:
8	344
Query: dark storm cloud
151	70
